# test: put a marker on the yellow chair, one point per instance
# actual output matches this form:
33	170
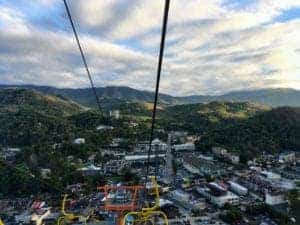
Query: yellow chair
147	215
1	222
70	217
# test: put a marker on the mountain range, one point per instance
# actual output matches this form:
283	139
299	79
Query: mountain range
114	95
28	117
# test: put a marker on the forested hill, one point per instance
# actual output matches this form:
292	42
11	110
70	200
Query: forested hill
20	99
202	117
28	117
110	96
270	131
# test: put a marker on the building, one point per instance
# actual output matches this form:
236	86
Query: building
234	159
23	218
206	157
79	141
90	170
192	138
155	145
9	153
274	198
116	142
271	175
218	151
114	114
104	128
179	136
217	194
180	196
185	147
142	158
159	145
45	173
198	165
224	154
237	188
287	157
133	124
114	166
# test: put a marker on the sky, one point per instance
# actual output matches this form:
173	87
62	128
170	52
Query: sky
212	46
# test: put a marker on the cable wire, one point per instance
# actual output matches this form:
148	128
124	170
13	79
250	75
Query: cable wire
82	54
160	61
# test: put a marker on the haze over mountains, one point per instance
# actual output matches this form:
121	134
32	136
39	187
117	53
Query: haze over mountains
119	94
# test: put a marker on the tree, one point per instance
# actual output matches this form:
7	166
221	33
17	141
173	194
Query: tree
293	196
232	216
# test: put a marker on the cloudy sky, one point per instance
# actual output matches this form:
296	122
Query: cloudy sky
213	46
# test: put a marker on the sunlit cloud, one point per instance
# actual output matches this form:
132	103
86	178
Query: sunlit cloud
213	46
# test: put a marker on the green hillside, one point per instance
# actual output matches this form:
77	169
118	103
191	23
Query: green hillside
15	99
203	117
269	131
28	117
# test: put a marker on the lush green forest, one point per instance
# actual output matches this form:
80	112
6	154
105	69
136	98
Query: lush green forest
271	131
28	117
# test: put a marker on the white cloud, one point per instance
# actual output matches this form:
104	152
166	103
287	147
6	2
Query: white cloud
212	47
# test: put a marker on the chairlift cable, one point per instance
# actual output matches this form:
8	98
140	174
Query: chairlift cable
160	61
82	54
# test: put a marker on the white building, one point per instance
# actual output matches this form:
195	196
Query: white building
237	188
142	158
274	198
90	170
114	114
185	147
155	145
79	141
45	172
23	218
9	153
287	157
228	198
218	195
104	128
271	175
206	157
159	145
235	159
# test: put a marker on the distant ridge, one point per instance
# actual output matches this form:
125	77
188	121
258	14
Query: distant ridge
113	95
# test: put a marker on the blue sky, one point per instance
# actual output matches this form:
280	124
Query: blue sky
213	46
